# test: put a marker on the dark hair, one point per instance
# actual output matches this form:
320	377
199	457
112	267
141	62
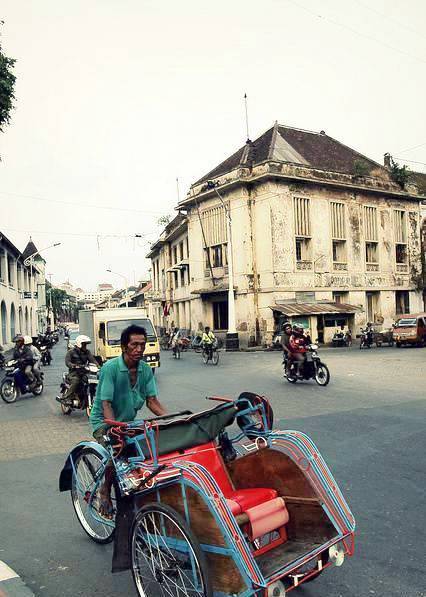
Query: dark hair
127	332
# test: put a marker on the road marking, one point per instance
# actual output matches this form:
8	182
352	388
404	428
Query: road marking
6	573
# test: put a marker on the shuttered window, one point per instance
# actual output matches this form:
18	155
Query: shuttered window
338	227
302	216
400	227
370	223
214	225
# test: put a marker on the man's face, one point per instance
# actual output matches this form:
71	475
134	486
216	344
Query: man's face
135	347
84	347
287	330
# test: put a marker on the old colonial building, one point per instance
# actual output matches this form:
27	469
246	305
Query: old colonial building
22	291
169	298
321	235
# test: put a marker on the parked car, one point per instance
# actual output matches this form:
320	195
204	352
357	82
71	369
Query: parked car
410	329
72	336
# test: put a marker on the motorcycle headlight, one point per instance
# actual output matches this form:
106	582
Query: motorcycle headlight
148	359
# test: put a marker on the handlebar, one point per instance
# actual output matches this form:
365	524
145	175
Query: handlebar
219	398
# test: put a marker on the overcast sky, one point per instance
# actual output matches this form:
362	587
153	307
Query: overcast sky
115	99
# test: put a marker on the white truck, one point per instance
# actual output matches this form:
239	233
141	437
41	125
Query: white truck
104	327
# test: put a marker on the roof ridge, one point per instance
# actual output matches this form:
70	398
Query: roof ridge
295	128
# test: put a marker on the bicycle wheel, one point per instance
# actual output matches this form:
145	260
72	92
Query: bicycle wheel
215	357
88	477
205	357
166	556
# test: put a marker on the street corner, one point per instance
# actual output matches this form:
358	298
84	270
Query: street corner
11	584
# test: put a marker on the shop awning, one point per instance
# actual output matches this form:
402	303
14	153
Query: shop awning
321	308
220	288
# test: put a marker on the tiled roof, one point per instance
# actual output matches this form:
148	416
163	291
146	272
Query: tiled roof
287	144
419	179
30	249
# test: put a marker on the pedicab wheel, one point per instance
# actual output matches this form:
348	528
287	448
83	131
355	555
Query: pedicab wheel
89	474
166	556
215	357
8	391
322	375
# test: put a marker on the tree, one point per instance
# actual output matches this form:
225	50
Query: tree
164	220
7	86
400	174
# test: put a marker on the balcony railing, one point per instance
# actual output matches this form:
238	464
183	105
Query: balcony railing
304	265
340	266
372	267
402	268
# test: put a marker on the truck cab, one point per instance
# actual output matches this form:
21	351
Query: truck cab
105	326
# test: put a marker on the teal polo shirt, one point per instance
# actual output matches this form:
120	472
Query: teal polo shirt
114	385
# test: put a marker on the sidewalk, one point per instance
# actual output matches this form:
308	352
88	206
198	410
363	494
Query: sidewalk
11	585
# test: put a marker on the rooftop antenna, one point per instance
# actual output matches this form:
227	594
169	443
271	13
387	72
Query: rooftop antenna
247	122
177	189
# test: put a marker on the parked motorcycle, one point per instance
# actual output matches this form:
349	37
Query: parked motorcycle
85	392
2	359
311	368
15	383
341	338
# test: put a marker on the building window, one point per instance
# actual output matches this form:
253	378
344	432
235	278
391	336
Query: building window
181	250
216	254
371	253
401	254
338	234
402	302
341	297
400	232
302	227
220	315
182	276
372	305
175	256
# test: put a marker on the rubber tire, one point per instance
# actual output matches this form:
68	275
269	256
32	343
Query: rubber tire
327	376
15	393
205	358
39	393
66	410
95	539
192	540
215	357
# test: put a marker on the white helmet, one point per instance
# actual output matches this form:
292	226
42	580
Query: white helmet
82	339
28	340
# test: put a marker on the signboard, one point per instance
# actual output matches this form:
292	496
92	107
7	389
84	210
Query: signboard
27	294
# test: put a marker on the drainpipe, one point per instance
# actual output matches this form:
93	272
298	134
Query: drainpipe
250	204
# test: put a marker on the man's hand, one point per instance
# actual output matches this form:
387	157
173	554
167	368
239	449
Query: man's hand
155	406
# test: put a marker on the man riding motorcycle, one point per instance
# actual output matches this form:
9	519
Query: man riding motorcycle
207	340
28	341
76	360
24	356
298	347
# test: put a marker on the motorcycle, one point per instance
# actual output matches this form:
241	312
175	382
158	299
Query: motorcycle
85	392
311	368
2	359
46	355
341	338
15	383
366	338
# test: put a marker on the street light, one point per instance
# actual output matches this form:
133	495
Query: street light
125	282
29	262
232	342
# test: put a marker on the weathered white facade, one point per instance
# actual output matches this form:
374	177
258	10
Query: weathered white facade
169	299
302	235
22	293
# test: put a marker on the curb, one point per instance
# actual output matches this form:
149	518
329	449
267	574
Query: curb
11	584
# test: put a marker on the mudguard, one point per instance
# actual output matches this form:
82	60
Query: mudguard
65	478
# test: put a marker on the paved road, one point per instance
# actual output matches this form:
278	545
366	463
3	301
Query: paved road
368	423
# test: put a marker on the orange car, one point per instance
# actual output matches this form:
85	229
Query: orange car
410	329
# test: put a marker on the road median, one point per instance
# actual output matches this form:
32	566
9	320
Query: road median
11	584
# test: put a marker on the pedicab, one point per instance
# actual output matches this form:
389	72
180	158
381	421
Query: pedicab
199	513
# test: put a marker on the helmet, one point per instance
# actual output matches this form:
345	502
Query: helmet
28	340
82	339
298	329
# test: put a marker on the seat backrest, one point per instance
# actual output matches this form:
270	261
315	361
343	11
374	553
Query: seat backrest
209	456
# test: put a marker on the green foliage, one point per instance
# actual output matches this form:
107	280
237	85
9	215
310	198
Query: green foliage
7	85
400	174
361	168
164	220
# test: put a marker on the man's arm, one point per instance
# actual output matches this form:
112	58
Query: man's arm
92	359
155	406
107	410
68	362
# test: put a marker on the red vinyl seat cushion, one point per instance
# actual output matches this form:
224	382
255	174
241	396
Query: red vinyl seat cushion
241	500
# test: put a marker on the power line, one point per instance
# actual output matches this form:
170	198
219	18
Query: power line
411	161
411	148
389	18
359	33
101	235
83	205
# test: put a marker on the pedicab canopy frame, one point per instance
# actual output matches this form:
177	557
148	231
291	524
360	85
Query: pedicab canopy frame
263	508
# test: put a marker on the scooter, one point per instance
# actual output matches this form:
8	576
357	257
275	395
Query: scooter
15	383
366	338
85	392
311	368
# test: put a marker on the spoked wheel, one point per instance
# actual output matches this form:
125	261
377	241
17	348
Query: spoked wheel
88	477
177	352
322	375
8	391
166	556
205	357
215	357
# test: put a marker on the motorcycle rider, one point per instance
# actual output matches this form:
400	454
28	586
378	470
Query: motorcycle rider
28	341
207	340
24	356
298	346
285	342
76	359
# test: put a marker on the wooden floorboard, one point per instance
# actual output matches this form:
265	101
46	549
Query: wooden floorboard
284	554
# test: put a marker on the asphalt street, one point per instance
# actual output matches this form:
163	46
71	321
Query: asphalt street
368	424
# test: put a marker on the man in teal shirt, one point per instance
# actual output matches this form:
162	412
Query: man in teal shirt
126	383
